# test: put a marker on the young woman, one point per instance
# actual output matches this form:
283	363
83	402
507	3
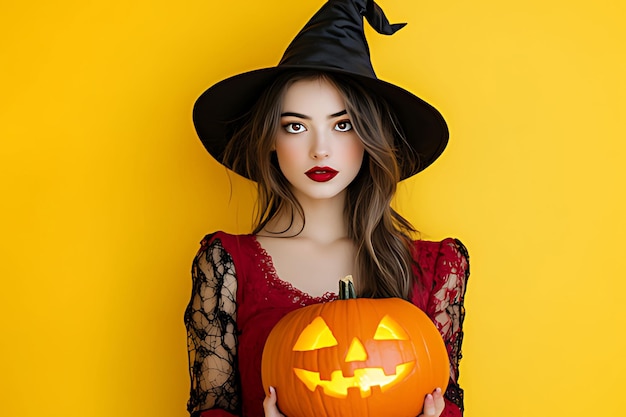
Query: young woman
326	154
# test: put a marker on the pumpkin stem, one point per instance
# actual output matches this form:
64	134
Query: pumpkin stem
346	288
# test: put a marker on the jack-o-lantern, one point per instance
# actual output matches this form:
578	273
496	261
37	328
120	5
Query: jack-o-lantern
355	357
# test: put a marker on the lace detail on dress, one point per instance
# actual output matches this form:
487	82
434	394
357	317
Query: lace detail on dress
210	319
447	308
295	295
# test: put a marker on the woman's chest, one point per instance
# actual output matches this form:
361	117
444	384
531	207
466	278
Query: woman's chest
311	268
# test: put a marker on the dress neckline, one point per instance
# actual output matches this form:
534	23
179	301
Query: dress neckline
270	273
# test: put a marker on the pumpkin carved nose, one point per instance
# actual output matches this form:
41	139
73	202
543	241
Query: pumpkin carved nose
356	351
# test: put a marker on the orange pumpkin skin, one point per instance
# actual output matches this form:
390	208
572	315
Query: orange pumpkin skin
365	358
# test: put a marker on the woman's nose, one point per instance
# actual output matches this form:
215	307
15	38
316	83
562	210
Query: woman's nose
319	154
320	148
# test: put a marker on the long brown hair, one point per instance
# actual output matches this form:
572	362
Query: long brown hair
380	234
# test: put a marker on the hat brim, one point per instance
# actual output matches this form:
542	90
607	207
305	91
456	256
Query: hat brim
424	127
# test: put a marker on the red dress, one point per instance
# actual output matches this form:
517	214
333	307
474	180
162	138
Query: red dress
237	298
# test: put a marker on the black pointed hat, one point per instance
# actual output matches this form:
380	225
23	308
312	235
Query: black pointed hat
332	41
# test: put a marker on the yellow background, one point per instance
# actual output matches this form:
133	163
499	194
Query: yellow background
106	191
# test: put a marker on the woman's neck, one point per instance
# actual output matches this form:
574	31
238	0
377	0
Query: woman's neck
324	221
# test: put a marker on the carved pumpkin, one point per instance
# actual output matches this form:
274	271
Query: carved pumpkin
355	357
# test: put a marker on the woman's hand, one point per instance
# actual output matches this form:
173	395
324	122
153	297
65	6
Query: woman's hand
433	404
269	404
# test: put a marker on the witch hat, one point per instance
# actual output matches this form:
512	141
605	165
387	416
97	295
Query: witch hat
332	41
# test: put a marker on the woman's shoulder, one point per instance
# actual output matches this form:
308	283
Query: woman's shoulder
228	250
449	247
227	240
235	247
442	268
440	258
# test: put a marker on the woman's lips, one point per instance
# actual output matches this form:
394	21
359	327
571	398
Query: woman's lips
321	174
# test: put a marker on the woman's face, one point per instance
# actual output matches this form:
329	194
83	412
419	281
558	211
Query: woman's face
317	148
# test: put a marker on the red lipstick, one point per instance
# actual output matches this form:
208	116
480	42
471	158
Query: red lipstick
321	174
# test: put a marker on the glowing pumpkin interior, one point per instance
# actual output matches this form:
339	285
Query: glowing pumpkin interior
318	335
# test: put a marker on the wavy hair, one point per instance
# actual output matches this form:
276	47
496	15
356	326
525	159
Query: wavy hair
380	234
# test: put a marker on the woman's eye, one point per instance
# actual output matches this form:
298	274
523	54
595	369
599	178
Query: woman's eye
294	128
343	126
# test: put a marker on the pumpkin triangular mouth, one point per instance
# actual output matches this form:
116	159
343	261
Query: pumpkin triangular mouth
364	379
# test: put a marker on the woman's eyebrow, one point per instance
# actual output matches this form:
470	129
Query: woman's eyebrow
302	116
298	115
340	113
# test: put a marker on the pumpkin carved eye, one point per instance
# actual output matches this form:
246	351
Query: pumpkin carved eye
389	329
315	336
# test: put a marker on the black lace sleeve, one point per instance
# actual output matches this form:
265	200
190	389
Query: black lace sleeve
446	307
210	319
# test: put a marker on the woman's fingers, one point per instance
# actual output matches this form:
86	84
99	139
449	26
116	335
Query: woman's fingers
429	406
433	404
439	401
269	404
